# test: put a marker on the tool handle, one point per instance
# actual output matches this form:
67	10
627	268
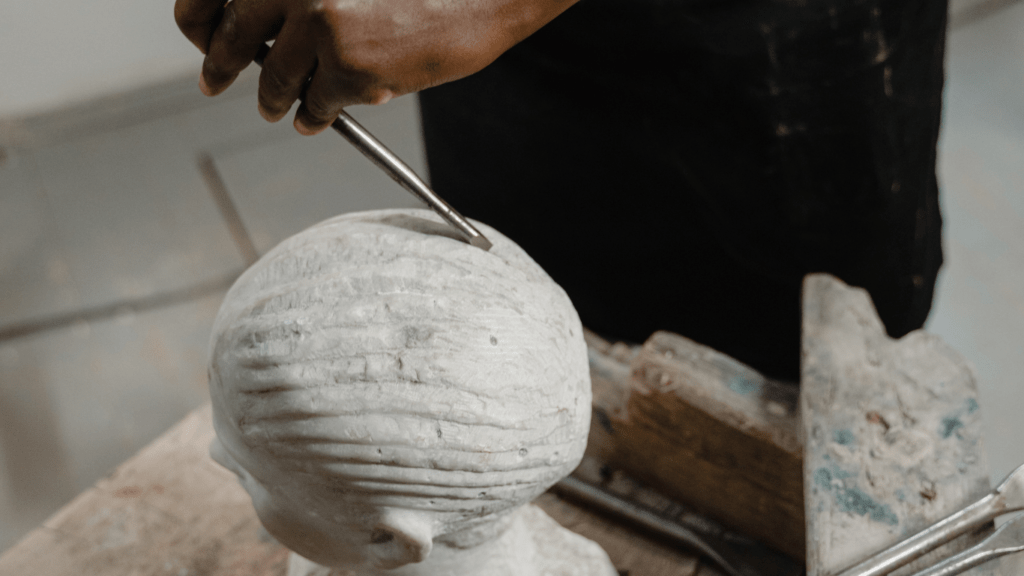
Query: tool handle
1008	539
960	563
596	498
906	551
399	171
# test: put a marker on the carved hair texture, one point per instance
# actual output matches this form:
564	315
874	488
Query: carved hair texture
375	350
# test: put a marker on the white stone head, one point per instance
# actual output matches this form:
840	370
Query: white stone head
383	389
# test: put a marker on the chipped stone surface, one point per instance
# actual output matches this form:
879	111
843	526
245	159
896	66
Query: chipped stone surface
892	431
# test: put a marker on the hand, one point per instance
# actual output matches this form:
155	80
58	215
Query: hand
334	53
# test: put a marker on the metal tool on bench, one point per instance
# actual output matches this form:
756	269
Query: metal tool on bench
1009	538
614	494
399	171
604	501
1007	497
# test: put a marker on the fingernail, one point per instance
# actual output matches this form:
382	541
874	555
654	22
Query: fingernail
204	87
266	115
301	127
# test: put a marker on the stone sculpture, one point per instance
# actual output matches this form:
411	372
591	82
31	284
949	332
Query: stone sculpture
392	399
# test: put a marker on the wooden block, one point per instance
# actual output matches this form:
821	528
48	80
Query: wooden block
172	510
892	427
705	430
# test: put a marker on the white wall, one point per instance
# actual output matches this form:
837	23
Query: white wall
53	54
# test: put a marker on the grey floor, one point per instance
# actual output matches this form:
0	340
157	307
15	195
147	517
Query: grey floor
123	222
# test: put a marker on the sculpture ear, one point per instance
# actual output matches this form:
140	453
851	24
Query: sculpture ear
402	537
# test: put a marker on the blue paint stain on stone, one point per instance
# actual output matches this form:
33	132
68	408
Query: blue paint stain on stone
949	425
855	501
741	385
832	471
901	495
952	423
844	437
823	478
851	499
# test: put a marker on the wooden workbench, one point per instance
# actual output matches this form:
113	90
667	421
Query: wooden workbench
890	441
171	510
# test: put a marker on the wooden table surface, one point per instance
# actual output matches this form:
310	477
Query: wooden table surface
171	510
891	442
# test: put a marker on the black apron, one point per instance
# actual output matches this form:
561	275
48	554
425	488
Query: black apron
682	165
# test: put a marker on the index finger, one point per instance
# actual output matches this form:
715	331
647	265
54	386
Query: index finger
197	20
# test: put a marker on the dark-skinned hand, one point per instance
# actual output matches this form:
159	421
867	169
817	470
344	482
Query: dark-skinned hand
334	53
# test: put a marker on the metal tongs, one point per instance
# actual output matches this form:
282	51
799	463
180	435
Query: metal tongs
399	171
1009	538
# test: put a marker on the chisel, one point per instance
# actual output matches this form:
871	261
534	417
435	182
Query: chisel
399	171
